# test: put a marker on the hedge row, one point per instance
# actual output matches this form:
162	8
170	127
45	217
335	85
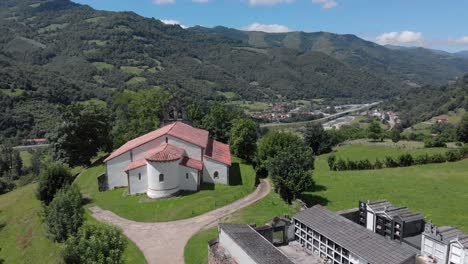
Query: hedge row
404	160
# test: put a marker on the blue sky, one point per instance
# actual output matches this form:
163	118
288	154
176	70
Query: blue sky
438	24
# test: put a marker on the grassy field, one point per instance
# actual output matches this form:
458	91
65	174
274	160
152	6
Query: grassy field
376	151
131	70
22	233
259	213
436	190
140	208
12	93
453	117
103	66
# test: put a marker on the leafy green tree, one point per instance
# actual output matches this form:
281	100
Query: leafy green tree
395	135
95	243
64	215
137	113
218	121
52	178
462	130
317	138
271	144
291	173
374	131
195	113
243	138
84	131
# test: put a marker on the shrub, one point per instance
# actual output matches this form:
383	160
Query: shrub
6	185
364	165
351	165
378	164
438	158
436	142
95	243
422	159
64	215
54	177
331	161
390	162
453	155
341	165
405	160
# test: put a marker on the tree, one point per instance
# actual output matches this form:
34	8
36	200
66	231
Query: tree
95	243
317	138
64	215
52	178
84	131
137	113
243	138
290	171
462	130
218	121
271	145
395	135
374	131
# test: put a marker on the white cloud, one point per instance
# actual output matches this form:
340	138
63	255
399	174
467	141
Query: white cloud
272	28
200	1
462	41
173	22
163	2
326	4
268	2
400	38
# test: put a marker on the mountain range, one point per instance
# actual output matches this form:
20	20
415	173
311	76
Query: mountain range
56	52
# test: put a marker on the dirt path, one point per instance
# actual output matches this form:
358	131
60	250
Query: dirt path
164	242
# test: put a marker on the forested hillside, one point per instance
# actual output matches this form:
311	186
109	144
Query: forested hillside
401	65
56	52
420	104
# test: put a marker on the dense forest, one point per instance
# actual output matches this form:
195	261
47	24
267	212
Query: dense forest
55	52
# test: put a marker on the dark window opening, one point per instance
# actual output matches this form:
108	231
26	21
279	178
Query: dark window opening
167	140
216	175
161	177
186	175
139	176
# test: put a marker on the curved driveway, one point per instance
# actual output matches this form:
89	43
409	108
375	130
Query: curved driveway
164	242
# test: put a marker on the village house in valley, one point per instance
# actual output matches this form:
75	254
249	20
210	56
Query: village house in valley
163	162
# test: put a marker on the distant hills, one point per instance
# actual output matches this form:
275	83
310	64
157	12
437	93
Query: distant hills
56	52
400	65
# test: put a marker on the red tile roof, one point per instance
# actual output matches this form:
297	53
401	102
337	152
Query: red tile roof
179	130
135	164
165	152
218	151
191	163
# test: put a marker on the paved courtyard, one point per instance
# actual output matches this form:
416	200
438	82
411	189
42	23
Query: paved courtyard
164	242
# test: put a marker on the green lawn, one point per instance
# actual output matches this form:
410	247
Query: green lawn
380	151
12	93
140	208
103	66
23	238
438	191
259	213
131	70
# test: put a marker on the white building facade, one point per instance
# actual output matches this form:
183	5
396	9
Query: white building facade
176	157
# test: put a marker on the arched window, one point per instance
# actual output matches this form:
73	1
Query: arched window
216	174
161	177
186	175
167	140
139	176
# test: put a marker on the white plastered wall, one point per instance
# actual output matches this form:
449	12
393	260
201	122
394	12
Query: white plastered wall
138	180
171	183
116	176
234	250
209	169
188	179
